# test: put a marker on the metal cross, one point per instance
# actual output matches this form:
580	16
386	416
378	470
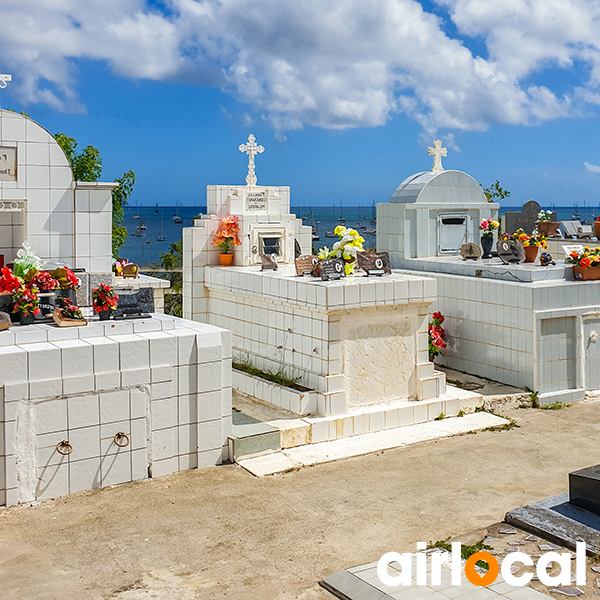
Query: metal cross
437	152
251	148
4	79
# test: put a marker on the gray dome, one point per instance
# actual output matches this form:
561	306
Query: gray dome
444	187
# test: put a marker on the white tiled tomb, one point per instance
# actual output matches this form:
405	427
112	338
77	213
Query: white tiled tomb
353	343
523	325
163	382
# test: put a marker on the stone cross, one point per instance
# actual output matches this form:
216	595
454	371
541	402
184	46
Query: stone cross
437	152
4	79
251	148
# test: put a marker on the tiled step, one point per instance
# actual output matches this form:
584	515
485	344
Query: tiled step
250	437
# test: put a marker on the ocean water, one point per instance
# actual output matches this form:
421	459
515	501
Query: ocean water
147	249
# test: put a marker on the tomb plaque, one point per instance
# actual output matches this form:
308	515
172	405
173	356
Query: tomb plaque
567	249
510	252
256	201
584	489
134	303
4	321
269	263
332	269
374	263
8	164
470	251
305	264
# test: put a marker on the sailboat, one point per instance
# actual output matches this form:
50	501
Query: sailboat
176	218
156	209
139	232
161	237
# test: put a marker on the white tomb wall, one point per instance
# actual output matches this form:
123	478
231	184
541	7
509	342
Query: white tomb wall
163	381
65	221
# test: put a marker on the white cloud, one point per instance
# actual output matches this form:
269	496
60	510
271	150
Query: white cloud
325	63
591	168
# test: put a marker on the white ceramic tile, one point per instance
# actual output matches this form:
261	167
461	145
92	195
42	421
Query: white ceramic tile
114	406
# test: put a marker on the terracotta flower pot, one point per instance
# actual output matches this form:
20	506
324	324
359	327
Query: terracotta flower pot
586	274
531	253
597	229
548	228
226	259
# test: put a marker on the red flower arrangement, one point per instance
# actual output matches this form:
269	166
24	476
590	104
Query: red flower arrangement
26	301
68	308
437	335
226	235
104	298
66	278
9	282
44	281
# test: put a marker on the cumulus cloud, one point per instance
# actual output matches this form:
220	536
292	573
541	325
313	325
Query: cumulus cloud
591	168
333	64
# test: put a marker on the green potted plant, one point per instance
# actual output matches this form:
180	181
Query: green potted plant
26	304
226	237
546	225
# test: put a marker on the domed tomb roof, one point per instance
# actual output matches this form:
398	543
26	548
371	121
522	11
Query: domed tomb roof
445	187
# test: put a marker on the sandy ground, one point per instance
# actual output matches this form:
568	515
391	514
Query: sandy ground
221	533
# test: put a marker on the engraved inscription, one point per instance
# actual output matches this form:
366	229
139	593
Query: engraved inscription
256	201
8	164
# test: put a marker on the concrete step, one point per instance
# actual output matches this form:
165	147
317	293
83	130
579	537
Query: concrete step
251	437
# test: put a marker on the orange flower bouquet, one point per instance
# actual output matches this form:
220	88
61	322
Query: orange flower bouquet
226	235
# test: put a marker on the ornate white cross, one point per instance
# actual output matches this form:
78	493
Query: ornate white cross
251	148
4	79
437	152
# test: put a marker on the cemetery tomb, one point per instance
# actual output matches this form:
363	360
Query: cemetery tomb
354	344
104	402
518	323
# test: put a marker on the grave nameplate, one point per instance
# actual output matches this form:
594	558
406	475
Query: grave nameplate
134	303
269	263
470	251
510	252
4	320
374	263
130	270
8	164
584	489
305	264
567	249
332	269
256	202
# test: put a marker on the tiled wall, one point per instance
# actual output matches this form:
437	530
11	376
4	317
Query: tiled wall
302	325
165	382
523	334
64	221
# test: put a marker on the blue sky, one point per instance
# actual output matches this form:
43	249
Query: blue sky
345	95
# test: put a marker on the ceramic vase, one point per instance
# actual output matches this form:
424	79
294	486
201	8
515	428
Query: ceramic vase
104	315
531	253
26	319
225	259
487	242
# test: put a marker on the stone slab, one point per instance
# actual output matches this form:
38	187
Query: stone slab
347	586
584	489
556	520
489	268
277	462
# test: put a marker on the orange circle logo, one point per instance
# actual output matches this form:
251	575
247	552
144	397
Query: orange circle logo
474	577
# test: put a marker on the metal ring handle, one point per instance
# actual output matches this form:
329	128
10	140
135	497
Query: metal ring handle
64	444
119	436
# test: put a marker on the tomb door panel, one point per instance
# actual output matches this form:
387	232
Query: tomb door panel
591	340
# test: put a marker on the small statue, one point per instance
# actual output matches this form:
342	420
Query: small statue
546	259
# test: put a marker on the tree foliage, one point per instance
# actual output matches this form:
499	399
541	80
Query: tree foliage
87	166
495	192
120	197
171	262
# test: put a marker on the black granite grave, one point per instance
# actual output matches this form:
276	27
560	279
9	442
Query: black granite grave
567	518
584	489
524	219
